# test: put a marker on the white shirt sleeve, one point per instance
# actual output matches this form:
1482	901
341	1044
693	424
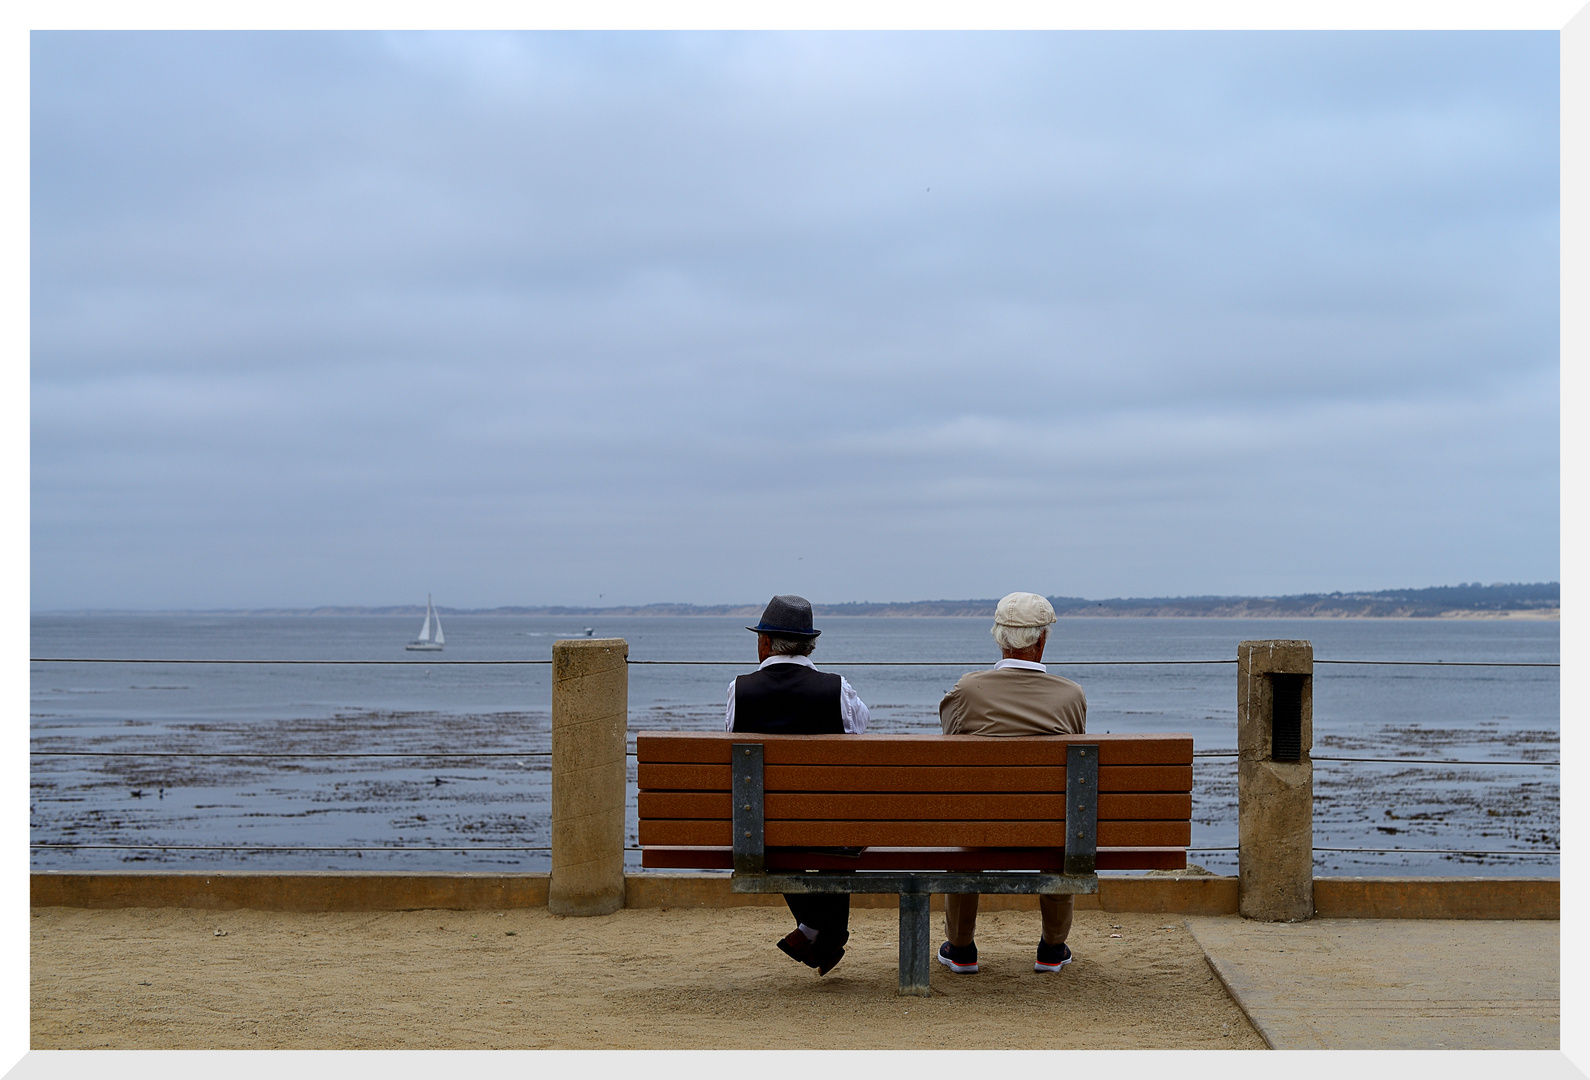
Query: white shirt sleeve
852	710
728	714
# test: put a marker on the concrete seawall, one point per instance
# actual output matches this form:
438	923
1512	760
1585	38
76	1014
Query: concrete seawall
1334	897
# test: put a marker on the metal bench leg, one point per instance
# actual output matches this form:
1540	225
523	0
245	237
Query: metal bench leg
915	944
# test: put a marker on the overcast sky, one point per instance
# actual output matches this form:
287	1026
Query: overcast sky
621	318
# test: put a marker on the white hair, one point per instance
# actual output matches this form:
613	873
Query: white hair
1018	637
789	646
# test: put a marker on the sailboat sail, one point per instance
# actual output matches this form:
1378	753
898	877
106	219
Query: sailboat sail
430	639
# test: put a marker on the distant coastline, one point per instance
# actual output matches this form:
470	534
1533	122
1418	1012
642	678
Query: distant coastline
1502	601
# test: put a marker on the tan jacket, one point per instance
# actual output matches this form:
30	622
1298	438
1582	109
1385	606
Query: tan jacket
1014	701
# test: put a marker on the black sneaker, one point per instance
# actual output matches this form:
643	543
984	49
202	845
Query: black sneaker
1051	958
827	950
961	959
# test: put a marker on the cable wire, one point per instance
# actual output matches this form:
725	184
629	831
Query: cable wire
1411	851
1442	663
936	663
306	663
287	754
263	848
743	663
1436	761
1393	761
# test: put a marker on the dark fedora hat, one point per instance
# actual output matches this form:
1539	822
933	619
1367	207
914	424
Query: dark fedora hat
787	616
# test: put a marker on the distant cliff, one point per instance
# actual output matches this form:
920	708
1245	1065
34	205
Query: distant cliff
1541	600
1450	601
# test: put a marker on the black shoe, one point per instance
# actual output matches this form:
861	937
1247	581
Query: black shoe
961	959
1051	958
796	947
828	949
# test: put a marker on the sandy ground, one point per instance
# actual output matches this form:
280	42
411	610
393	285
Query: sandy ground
161	978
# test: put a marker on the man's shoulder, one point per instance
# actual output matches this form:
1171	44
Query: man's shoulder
992	677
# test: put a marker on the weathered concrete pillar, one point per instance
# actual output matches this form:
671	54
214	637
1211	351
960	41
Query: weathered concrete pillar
590	718
1275	780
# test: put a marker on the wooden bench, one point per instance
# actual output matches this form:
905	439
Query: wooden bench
934	813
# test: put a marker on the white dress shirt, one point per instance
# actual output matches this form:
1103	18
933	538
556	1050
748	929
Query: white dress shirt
852	710
1028	665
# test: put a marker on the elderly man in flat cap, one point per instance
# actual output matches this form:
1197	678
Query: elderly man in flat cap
1017	696
787	695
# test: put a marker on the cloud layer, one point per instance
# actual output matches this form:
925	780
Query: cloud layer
325	318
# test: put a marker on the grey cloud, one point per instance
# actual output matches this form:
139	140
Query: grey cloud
589	298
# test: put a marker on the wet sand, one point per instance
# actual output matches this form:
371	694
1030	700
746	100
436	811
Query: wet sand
161	978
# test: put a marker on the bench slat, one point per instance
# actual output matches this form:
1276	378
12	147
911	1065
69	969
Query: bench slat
659	776
913	750
673	832
964	859
936	806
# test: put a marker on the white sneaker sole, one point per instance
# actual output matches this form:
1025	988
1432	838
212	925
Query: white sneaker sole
1050	969
959	969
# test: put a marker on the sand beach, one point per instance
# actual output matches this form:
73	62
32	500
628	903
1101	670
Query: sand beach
180	978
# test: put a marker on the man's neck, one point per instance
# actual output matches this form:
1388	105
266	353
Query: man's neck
785	658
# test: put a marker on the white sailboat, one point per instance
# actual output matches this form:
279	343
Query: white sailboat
430	639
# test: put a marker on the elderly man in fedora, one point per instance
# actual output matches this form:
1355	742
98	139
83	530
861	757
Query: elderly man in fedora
1017	696
787	695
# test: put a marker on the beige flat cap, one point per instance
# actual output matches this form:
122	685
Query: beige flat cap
1024	609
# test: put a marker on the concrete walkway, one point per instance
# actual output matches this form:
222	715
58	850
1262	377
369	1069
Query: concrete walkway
1390	984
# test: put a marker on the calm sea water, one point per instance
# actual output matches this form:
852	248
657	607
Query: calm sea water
144	810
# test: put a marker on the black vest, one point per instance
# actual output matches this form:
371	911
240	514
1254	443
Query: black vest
788	699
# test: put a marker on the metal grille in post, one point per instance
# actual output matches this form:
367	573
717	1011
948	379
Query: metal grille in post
1286	716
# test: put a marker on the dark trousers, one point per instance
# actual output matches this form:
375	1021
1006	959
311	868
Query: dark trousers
826	913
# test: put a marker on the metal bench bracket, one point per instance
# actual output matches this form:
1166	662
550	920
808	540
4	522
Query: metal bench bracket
746	786
1082	808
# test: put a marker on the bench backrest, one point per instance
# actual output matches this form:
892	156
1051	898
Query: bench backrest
915	790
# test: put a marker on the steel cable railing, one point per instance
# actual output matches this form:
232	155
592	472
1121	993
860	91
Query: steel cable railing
1414	851
1393	761
476	755
427	755
264	848
742	662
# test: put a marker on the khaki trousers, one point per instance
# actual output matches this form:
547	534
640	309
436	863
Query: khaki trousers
960	917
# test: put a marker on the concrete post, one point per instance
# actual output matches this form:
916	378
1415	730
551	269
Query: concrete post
590	715
1275	780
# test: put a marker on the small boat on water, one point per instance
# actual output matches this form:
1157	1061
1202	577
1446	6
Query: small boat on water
430	639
